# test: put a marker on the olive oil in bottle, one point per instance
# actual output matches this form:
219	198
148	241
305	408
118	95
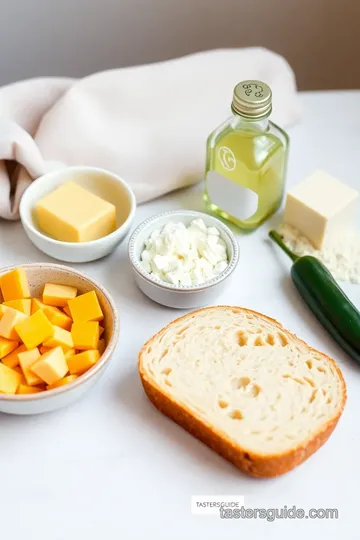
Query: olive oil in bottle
246	160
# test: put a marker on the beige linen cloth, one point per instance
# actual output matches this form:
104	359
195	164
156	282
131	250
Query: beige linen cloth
148	123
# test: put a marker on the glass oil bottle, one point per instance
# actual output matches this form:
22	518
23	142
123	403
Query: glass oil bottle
246	160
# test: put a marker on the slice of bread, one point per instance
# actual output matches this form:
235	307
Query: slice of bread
245	386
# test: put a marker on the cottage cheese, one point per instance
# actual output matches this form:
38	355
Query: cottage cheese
183	255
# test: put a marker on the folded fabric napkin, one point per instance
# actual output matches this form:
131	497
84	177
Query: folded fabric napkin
148	124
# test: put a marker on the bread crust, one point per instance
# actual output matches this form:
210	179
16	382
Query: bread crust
251	463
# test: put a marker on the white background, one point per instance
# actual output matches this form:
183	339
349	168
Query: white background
112	467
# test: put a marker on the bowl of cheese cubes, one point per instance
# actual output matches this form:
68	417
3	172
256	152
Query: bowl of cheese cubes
58	330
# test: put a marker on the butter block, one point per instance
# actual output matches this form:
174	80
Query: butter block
58	295
7	346
85	335
22	304
9	380
12	360
27	359
51	367
60	338
320	206
35	329
14	285
85	308
74	214
81	362
9	320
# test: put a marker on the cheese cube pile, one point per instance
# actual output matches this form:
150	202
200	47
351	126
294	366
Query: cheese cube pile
46	342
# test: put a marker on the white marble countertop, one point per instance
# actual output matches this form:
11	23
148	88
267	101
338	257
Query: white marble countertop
112	467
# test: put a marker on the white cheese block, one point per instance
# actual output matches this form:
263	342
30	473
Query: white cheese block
320	206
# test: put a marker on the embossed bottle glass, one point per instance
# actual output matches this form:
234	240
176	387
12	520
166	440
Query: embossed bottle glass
246	160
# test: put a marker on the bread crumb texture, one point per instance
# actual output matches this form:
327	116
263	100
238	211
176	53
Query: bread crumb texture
245	386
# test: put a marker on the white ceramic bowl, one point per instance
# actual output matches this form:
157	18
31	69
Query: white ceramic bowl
172	295
107	185
49	400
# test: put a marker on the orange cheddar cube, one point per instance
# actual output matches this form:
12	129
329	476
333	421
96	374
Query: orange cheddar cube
24	389
19	370
22	304
81	362
36	304
27	359
69	353
101	346
85	308
9	380
85	335
54	314
9	320
57	317
60	338
51	367
58	295
12	359
4	309
44	349
7	346
67	311
35	329
14	285
62	382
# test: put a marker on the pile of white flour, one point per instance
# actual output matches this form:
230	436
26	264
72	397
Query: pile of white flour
341	254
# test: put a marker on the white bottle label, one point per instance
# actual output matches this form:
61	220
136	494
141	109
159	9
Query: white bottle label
238	201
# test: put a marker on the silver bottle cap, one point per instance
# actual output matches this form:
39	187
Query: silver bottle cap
252	99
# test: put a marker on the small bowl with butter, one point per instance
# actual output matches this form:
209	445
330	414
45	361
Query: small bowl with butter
77	214
183	259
